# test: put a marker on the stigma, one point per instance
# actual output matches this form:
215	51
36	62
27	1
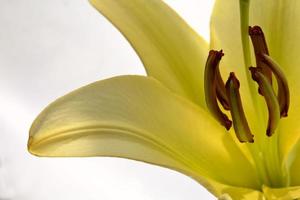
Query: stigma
221	98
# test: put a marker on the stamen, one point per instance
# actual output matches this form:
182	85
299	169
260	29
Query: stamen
210	87
267	91
221	91
283	93
260	47
240	123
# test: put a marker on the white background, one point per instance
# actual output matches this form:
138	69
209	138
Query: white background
47	49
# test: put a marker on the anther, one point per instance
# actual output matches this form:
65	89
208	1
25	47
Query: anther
221	91
283	93
267	91
240	123
210	88
260	47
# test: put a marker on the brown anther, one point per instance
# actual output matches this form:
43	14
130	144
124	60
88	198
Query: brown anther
240	123
221	91
283	93
210	88
268	93
260	47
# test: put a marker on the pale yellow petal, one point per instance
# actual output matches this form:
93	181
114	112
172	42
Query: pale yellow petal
293	164
267	193
288	193
169	49
234	193
228	192
138	118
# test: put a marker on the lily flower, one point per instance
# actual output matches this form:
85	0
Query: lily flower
239	138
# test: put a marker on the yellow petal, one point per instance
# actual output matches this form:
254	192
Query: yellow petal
228	192
293	164
235	193
169	49
289	127
138	118
289	142
289	193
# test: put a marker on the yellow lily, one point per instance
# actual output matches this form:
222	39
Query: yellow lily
173	118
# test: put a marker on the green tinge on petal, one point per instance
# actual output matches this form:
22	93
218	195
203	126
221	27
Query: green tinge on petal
136	117
169	49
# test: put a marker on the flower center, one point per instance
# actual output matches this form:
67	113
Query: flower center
228	95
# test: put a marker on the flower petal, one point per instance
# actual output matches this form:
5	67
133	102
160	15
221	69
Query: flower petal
293	164
235	193
228	192
138	118
169	49
288	193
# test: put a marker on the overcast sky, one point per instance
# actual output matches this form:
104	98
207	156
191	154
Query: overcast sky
47	49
